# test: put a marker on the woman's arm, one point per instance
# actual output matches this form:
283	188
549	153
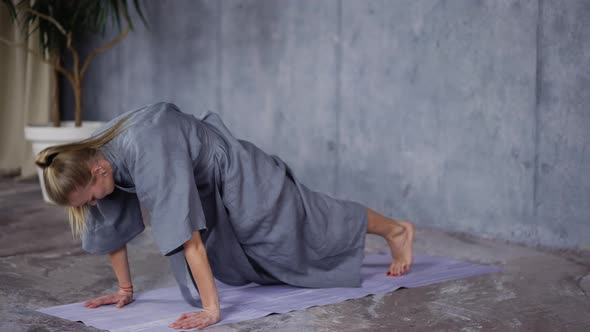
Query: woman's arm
196	256
120	265
124	296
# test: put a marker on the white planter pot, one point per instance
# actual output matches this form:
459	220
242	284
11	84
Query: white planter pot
45	136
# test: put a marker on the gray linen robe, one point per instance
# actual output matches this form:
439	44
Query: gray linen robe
258	222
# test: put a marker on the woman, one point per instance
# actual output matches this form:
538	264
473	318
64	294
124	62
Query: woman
218	205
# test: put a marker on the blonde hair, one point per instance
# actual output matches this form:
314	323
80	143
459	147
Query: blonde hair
66	168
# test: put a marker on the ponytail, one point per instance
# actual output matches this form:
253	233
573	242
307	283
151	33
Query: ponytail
66	168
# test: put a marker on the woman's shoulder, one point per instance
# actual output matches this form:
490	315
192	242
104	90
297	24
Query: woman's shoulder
145	117
151	113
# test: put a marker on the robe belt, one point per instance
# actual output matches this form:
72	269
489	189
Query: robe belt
178	265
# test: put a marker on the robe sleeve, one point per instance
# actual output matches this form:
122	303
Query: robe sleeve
111	223
162	170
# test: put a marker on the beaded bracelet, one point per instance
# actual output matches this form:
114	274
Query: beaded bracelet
126	289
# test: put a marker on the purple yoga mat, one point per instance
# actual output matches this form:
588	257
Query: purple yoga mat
155	310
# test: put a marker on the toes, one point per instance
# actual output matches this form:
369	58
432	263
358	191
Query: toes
397	270
391	270
404	269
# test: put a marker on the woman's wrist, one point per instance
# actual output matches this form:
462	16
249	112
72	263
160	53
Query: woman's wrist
126	289
214	311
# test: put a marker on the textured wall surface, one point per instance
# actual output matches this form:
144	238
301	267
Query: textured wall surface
463	115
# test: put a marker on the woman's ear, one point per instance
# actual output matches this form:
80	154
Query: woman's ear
96	169
104	167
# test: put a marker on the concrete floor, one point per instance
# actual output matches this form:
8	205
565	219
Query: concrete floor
539	290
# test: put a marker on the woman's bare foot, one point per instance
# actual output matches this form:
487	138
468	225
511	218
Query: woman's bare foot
400	239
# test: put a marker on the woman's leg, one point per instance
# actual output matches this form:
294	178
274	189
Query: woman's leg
399	235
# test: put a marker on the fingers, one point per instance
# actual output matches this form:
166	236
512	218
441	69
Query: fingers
202	326
92	303
191	320
108	299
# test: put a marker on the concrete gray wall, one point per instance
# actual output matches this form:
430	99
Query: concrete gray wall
465	115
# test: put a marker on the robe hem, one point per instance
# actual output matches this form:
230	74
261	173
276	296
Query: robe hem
119	245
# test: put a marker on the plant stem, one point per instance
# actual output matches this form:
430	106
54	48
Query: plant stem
78	103
76	75
79	73
103	48
77	86
48	18
55	114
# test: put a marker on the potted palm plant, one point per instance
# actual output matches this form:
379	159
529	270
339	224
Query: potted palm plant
62	26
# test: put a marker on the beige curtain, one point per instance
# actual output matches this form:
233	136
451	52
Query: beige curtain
25	98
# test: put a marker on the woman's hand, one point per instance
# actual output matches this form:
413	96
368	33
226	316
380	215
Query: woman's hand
196	257
199	320
120	298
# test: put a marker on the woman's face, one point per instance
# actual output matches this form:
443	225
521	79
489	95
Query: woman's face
102	184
